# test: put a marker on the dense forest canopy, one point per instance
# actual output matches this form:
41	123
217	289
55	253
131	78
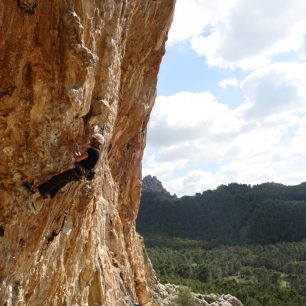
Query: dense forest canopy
238	239
270	275
230	215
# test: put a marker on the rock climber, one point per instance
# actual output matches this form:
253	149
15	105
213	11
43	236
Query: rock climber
84	165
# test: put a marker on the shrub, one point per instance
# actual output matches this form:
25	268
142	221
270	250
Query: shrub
185	298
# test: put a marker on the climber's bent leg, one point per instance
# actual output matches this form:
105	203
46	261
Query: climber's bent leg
55	190
57	182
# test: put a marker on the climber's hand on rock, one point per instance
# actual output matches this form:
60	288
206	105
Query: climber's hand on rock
80	156
77	154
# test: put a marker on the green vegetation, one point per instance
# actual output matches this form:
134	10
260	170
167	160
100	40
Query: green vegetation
257	275
185	298
230	215
246	241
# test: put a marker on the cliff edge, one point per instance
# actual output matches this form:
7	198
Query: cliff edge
69	68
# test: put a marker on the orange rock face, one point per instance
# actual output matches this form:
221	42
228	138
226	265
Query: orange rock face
69	68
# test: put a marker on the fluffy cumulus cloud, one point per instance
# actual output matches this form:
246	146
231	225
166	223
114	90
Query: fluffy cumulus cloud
191	181
240	33
197	142
261	140
193	16
279	87
224	84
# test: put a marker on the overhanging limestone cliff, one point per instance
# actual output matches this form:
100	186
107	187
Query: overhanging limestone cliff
67	68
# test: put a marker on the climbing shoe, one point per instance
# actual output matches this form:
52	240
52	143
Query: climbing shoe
44	196
29	186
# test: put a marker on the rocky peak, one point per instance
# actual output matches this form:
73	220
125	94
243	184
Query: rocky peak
151	183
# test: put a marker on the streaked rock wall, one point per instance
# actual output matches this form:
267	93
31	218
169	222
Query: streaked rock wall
68	68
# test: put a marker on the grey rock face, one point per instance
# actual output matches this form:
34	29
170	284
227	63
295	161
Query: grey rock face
151	183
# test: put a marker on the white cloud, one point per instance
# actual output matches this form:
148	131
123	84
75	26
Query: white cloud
193	182
224	84
261	140
241	33
298	144
188	21
279	165
184	117
276	88
161	169
302	56
193	16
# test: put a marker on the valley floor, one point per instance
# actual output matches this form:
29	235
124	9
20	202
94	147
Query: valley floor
267	275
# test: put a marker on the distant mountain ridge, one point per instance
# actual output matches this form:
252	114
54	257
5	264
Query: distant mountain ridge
231	214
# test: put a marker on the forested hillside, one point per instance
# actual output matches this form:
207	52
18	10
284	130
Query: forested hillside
247	241
270	275
230	215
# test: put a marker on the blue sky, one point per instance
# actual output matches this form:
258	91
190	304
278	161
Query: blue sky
231	104
183	70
